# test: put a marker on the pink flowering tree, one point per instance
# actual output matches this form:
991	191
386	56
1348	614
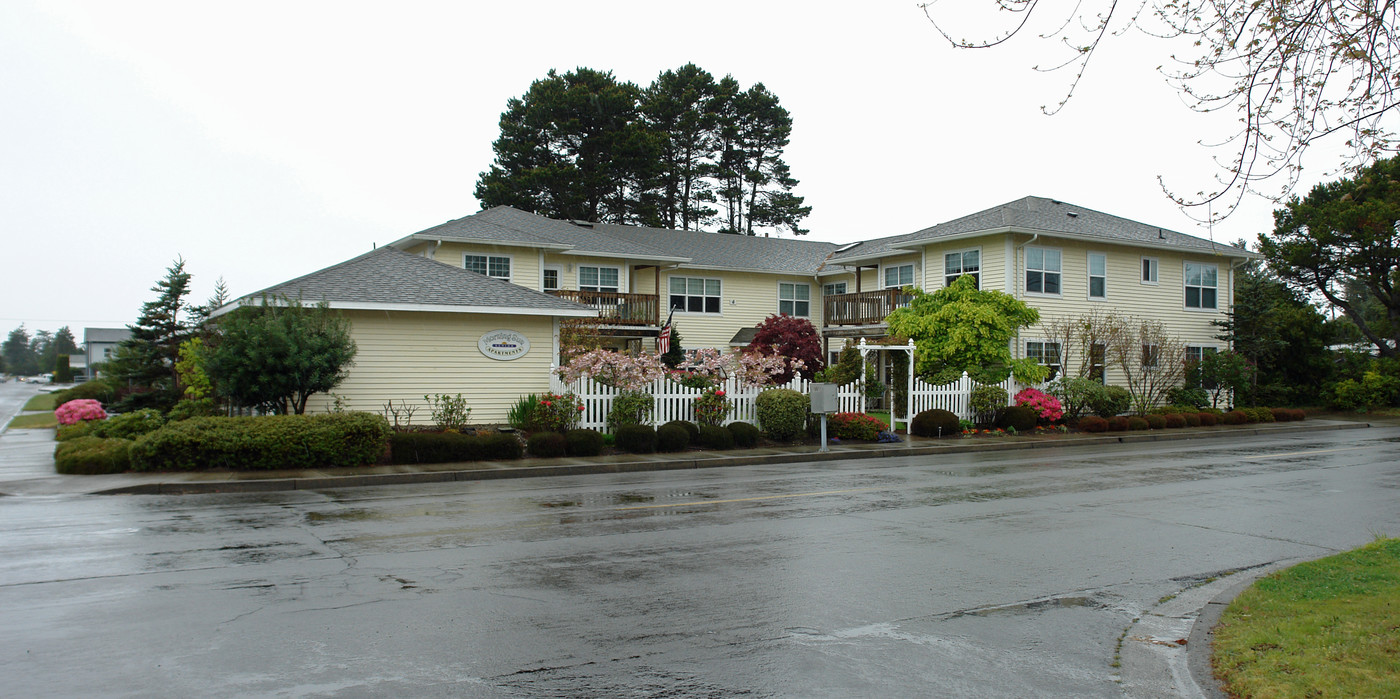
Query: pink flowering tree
750	368
1047	407
614	369
81	410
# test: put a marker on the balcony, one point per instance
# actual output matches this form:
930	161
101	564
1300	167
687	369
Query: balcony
632	310
864	308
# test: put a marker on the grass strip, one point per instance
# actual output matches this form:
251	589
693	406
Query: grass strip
1326	628
42	401
34	421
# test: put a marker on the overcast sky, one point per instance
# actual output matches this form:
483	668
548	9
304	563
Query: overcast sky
265	140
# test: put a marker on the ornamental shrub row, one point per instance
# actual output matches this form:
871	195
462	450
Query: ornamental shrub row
258	443
445	447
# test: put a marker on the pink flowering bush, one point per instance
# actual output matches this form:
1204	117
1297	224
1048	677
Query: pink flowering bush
1046	407
712	407
856	426
556	412
81	410
614	369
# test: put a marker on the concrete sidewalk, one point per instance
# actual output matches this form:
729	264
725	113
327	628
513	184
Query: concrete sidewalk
27	468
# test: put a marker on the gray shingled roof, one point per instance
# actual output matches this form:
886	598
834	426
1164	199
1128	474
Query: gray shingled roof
389	277
728	251
106	334
1045	216
506	225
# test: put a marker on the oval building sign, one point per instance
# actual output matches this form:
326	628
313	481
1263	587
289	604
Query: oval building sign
503	345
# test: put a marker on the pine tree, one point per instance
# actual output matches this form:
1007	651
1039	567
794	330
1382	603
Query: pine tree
146	360
680	107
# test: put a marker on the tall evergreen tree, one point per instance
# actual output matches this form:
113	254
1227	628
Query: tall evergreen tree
41	348
1276	328
756	183
680	107
146	360
19	357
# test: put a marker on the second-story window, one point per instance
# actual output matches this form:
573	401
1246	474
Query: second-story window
601	279
1042	271
551	279
833	289
1098	275
795	299
497	266
1149	270
899	276
695	295
1200	285
956	264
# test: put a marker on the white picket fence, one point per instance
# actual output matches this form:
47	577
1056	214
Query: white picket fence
676	402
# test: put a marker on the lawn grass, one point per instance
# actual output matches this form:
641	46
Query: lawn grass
42	401
1327	628
34	421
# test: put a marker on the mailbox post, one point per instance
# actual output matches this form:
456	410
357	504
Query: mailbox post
824	401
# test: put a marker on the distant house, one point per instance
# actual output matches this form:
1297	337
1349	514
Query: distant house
99	345
1062	259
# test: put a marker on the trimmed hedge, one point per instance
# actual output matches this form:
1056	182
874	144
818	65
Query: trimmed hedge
1175	421
1235	417
1118	423
447	447
75	430
1156	422
671	437
935	423
1021	417
93	455
636	439
690	428
713	437
1092	423
583	442
856	426
1137	423
1192	419
1208	419
128	425
782	412
258	443
745	435
547	444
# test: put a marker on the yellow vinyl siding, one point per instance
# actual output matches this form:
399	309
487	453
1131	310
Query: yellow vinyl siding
746	298
568	271
993	261
403	356
524	262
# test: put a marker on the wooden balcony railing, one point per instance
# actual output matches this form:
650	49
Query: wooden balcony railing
616	308
865	308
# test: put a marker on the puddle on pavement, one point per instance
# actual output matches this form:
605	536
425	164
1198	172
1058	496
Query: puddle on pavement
1030	607
561	503
631	498
356	515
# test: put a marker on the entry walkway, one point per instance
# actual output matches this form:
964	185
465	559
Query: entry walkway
27	467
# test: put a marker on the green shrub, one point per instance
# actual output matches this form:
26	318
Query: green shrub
268	442
1022	418
547	444
1156	422
782	413
636	439
75	430
1110	401
96	389
1092	423
433	447
1213	411
714	437
583	442
935	423
92	455
1137	423
1374	390
128	425
855	426
193	407
1192	419
449	412
1265	414
1074	394
690	428
522	414
1118	423
1175	422
671	437
501	447
1235	417
745	435
985	401
1250	414
1188	397
1208	419
630	408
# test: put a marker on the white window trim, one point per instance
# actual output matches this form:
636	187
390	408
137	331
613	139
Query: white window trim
682	311
1059	351
913	274
578	275
488	255
1157	269
981	258
1089	276
1026	267
794	301
844	286
558	274
1200	309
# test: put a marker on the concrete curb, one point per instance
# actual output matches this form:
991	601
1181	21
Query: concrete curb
505	470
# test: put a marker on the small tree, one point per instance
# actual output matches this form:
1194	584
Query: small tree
278	353
1222	372
788	336
961	328
675	354
145	362
1152	362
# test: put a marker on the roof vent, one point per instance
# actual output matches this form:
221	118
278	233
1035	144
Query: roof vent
848	246
582	224
1071	214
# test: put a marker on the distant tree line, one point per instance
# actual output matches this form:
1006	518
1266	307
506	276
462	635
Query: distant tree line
688	152
26	355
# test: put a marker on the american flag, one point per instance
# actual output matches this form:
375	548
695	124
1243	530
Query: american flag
663	341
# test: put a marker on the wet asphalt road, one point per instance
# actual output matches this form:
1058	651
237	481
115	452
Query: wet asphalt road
1004	574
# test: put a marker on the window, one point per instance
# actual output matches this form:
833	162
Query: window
956	264
1194	355
833	288
1046	353
1149	270
600	279
1097	352
1151	354
1098	275
795	299
1200	285
695	295
489	265
551	279
899	276
1042	271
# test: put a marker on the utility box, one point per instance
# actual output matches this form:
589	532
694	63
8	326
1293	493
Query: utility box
824	398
